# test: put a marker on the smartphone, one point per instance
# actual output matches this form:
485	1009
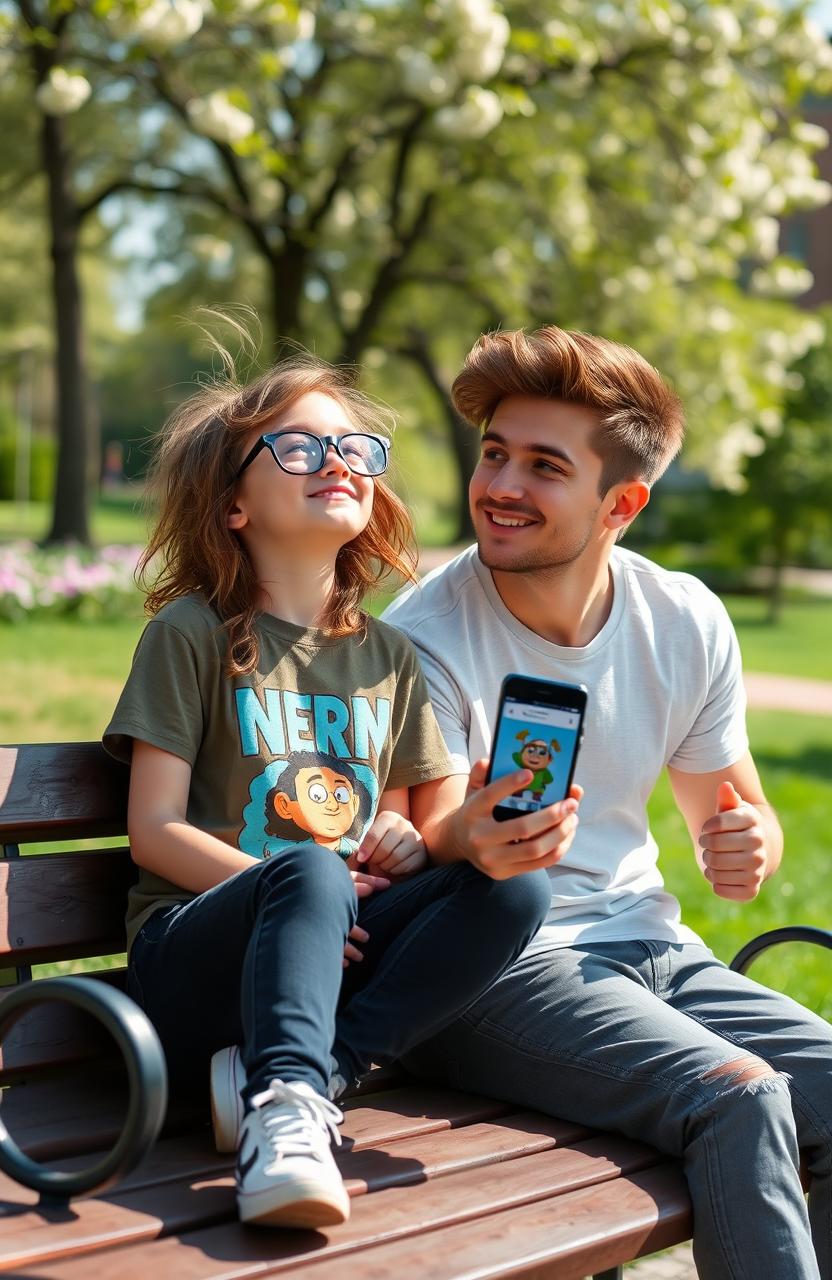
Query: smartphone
539	727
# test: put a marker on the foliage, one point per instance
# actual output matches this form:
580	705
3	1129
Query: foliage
41	462
369	173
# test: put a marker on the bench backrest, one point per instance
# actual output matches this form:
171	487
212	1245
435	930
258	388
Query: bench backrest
61	905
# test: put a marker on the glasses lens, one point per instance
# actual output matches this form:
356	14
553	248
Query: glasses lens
298	452
364	454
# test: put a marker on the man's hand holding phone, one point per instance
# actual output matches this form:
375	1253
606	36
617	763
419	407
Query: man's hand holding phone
505	849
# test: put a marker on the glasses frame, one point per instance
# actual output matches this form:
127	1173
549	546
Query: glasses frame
267	440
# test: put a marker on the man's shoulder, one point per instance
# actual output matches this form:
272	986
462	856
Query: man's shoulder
440	593
671	590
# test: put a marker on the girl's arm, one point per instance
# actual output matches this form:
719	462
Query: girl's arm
161	839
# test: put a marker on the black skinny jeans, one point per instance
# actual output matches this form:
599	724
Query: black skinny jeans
257	961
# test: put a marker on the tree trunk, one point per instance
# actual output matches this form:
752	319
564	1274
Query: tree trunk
464	440
70	515
288	276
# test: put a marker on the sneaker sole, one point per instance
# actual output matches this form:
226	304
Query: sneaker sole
296	1210
226	1117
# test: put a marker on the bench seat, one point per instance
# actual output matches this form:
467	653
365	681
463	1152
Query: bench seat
444	1185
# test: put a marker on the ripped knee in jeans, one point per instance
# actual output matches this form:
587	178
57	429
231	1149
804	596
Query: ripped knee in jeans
746	1074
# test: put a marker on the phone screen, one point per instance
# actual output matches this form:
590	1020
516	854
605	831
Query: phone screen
541	737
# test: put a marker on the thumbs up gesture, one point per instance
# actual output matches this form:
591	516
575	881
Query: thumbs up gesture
733	847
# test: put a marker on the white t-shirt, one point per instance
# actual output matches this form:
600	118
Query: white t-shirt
665	688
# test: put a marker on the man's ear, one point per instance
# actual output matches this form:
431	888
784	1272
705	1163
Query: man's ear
629	498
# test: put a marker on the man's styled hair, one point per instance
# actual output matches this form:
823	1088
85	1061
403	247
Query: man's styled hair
641	420
192	484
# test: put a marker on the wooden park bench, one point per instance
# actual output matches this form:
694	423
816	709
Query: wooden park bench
445	1185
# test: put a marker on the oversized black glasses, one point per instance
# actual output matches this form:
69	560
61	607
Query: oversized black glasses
301	453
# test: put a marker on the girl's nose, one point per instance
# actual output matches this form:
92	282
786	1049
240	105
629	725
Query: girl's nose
334	464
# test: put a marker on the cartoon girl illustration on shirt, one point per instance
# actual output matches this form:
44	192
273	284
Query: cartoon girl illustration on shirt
319	796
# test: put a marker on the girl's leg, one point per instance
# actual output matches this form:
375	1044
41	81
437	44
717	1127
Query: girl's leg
255	961
437	942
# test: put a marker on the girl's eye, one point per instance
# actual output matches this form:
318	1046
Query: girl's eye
342	795
492	455
317	793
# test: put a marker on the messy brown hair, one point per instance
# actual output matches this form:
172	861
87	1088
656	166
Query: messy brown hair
191	485
641	420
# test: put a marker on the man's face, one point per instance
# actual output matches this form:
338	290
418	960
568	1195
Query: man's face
534	494
326	804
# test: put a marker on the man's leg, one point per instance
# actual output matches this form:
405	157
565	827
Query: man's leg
580	1034
766	1027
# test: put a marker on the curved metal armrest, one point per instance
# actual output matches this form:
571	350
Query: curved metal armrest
789	933
147	1078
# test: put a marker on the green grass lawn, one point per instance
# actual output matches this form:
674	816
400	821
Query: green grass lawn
800	644
116	519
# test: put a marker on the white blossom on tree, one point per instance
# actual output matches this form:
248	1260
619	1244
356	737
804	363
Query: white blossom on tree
62	92
215	116
160	24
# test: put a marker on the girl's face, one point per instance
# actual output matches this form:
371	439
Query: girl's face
326	509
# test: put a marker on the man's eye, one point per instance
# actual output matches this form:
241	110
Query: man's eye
317	794
492	455
342	795
548	468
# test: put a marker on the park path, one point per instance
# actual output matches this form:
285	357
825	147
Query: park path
765	692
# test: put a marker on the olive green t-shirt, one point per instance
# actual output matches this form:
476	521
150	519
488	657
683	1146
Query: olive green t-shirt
300	749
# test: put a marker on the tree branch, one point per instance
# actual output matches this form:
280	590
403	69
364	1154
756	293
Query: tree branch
387	278
184	188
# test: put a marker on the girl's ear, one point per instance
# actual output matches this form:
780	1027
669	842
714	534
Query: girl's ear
236	518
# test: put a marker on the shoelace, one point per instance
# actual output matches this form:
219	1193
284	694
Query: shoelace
295	1121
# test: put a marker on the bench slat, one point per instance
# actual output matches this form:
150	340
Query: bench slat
82	1112
63	906
54	1035
150	1212
57	791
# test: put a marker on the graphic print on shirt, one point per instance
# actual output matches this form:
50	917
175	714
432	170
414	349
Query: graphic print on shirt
322	786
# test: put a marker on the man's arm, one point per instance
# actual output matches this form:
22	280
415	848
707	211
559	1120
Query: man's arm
455	818
735	831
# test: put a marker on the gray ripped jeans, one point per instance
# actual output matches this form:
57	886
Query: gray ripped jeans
635	1037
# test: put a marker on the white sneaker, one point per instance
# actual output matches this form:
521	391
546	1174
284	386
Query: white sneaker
228	1079
286	1175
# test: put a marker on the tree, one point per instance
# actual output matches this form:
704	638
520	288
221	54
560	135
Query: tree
614	167
42	41
790	480
395	169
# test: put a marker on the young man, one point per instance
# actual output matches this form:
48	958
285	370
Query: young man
617	1015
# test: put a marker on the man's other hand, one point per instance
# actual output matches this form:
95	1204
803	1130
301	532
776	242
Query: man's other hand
734	847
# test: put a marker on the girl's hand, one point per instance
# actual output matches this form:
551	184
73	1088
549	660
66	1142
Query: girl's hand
393	845
365	884
350	952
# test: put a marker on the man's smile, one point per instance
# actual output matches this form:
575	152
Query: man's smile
508	519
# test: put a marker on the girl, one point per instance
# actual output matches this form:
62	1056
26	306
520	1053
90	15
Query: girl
257	676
